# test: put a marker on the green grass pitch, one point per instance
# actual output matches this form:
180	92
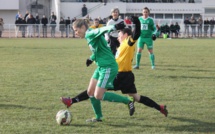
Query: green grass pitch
34	73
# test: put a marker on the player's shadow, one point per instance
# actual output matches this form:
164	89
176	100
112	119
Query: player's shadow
12	106
186	77
193	70
196	127
125	122
183	66
81	125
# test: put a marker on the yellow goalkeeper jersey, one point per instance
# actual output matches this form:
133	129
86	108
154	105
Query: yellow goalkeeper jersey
94	27
125	54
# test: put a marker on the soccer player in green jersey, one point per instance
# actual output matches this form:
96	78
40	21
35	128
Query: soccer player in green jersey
148	31
124	80
107	69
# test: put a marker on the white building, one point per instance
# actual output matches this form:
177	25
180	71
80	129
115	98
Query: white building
159	10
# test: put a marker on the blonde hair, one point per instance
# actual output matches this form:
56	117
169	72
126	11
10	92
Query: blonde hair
115	9
80	22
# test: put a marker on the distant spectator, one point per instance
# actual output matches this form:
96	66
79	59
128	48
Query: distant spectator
17	15
191	1
96	24
186	27
104	20
26	15
206	26
84	10
30	21
104	2
177	29
172	29
68	23
62	26
44	21
162	30
53	25
17	25
193	25
100	20
1	26
167	29
89	19
22	27
37	27
212	23
53	17
199	26
128	21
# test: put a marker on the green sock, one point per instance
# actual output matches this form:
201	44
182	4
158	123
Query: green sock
96	104
152	59
112	97
138	57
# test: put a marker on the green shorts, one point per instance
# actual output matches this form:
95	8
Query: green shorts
105	76
147	41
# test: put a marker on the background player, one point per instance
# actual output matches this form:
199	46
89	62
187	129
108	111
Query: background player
96	24
148	31
112	36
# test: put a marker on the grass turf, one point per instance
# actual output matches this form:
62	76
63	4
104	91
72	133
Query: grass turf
34	73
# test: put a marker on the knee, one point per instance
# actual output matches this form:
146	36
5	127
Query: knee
98	96
139	50
90	93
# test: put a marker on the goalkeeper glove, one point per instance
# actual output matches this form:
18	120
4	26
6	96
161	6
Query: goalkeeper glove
88	62
120	25
154	37
135	19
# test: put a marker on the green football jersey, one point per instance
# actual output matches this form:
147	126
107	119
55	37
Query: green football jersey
147	27
101	52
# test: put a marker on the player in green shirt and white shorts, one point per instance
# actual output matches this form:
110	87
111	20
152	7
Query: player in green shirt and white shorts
148	30
106	70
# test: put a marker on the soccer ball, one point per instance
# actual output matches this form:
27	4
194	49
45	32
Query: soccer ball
63	117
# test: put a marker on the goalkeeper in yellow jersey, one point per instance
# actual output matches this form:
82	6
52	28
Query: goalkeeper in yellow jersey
124	80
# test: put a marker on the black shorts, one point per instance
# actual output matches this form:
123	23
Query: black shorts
124	81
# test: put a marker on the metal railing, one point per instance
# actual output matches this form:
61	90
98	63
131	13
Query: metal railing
63	31
37	31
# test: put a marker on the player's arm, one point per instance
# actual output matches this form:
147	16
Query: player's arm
108	35
92	57
90	60
107	38
93	33
136	31
154	30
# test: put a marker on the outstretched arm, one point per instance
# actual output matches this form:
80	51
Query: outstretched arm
136	32
93	33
